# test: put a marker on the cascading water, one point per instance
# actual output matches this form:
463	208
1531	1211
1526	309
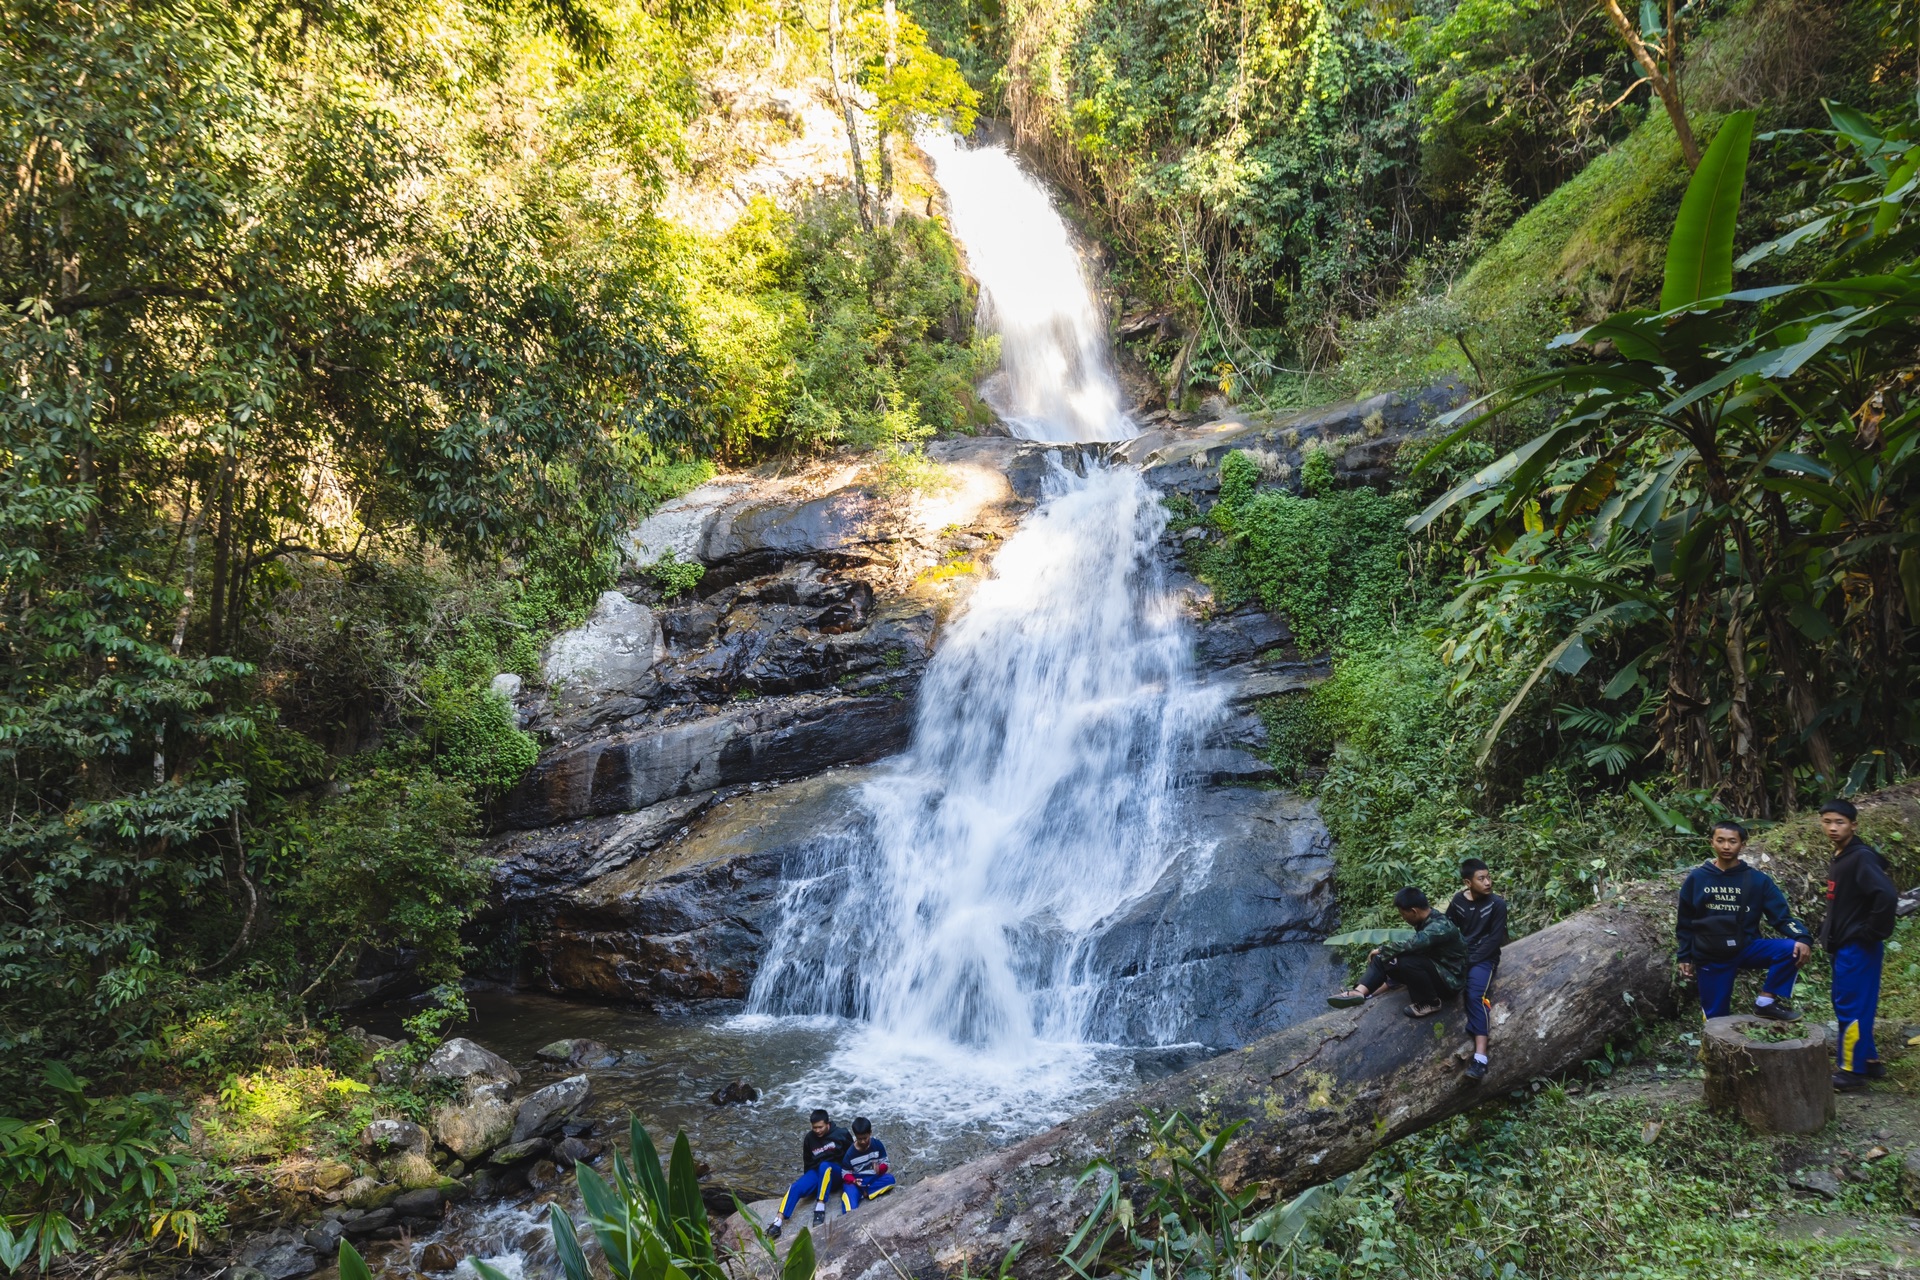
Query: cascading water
959	918
1055	382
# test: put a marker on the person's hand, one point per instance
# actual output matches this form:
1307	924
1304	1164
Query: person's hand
1686	970
1802	953
1373	954
880	1167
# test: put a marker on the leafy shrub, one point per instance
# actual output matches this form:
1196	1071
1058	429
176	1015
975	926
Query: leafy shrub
476	738
92	1166
392	863
674	576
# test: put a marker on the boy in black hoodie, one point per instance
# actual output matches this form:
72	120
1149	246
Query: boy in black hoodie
1860	912
823	1148
1722	902
1481	915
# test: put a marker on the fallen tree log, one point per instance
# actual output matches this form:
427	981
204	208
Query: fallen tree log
1319	1098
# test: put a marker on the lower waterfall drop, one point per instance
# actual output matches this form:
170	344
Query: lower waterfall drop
959	919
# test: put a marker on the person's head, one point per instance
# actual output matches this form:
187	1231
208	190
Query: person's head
822	1123
862	1132
1729	838
1412	905
1838	818
1479	880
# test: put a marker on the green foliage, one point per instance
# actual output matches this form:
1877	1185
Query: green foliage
1557	1186
649	1225
91	1166
476	738
823	333
392	863
673	576
1331	562
1731	488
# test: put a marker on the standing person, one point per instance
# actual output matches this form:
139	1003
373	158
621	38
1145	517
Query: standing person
1430	965
1481	916
822	1149
1860	912
866	1173
1717	924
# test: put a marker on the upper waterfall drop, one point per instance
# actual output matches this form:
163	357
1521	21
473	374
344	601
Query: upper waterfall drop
1056	382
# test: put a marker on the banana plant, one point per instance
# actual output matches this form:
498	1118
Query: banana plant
1689	429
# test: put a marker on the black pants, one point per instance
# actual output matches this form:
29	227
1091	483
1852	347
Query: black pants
1418	974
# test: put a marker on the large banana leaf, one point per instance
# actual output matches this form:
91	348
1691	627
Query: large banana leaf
1623	611
1368	937
1700	254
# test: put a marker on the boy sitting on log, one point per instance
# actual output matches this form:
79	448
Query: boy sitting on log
866	1176
1481	915
1722	902
1431	964
823	1148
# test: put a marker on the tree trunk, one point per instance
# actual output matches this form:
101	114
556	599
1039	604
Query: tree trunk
1319	1098
1777	1087
1667	87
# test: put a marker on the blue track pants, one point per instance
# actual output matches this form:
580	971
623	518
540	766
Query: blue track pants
1856	998
872	1188
821	1185
1479	989
1775	955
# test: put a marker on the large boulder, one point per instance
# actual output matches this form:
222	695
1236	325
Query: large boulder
545	1110
464	1062
386	1137
616	647
471	1129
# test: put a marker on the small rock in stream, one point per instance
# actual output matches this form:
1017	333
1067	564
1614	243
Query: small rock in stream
571	1151
438	1257
738	1091
544	1176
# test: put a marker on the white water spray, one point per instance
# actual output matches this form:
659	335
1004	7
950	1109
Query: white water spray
1056	381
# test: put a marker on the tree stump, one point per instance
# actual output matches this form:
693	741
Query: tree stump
1777	1086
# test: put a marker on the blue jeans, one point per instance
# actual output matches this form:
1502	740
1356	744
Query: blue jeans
821	1185
1775	955
1856	998
1479	1003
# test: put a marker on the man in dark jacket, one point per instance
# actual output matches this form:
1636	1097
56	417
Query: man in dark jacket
1860	912
1481	916
822	1150
1722	902
1431	964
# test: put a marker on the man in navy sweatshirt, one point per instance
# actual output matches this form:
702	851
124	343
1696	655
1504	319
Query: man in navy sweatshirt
1722	902
866	1176
1861	902
1481	915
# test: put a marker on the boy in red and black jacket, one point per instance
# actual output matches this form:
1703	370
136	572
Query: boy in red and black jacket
1861	901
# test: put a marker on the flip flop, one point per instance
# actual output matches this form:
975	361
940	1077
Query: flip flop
1346	1000
1422	1011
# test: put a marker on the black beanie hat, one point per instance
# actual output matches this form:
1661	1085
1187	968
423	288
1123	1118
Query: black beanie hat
1842	807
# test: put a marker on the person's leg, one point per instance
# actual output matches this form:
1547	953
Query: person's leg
1421	979
1479	1008
829	1186
804	1187
1775	955
1716	988
1856	996
877	1186
1372	980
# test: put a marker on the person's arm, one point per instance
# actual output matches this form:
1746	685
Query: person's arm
806	1154
1773	905
1878	897
1497	923
1683	924
1457	913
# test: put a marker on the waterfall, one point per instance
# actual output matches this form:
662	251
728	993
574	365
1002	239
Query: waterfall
958	920
1056	382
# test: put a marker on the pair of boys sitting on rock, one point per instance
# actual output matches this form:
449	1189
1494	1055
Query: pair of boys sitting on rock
838	1168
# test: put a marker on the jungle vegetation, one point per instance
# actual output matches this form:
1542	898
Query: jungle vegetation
343	337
